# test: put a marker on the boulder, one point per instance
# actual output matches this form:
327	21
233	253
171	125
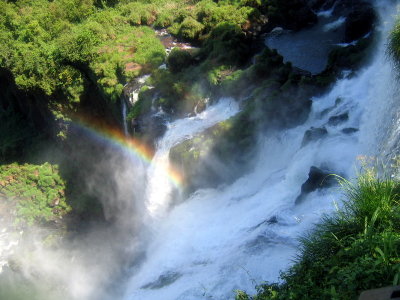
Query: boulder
349	130
336	120
359	21
317	179
313	134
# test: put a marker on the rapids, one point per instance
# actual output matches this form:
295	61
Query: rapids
237	236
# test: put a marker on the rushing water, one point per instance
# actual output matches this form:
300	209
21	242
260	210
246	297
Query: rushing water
224	239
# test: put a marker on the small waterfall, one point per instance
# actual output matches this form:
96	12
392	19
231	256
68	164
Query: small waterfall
159	185
240	235
125	123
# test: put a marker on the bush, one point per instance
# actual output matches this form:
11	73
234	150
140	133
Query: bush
394	44
36	191
227	45
190	29
178	60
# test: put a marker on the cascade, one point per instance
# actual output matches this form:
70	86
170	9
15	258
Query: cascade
239	235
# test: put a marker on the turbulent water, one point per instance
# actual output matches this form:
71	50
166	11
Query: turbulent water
240	235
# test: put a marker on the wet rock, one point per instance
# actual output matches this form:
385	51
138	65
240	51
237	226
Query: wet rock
336	120
321	4
293	15
359	22
272	220
301	72
313	134
162	281
349	130
317	179
329	109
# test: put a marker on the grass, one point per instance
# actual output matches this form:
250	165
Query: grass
356	249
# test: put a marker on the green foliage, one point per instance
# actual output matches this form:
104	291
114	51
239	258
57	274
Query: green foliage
190	29
356	249
54	46
226	45
36	191
178	60
394	44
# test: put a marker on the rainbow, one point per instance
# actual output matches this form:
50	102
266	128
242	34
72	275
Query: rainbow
133	146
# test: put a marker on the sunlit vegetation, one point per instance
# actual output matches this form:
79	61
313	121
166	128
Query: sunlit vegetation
356	249
394	45
36	193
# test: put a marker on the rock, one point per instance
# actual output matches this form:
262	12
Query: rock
317	179
272	220
321	4
349	130
359	22
291	14
152	127
301	72
162	281
336	120
277	31
313	134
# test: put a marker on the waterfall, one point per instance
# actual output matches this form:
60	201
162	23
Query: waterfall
159	187
240	235
124	116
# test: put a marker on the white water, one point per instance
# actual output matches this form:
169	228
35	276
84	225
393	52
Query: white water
134	94
218	240
124	117
159	187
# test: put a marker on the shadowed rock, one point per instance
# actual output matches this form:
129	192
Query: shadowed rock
336	120
317	179
313	134
349	130
162	281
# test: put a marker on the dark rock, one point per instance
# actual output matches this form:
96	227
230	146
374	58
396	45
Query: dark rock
321	4
349	130
301	72
329	109
162	281
359	21
313	134
272	220
291	14
317	179
336	120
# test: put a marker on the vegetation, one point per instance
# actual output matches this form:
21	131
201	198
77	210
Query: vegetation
394	44
356	249
35	192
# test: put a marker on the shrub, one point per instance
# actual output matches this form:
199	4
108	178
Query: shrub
178	60
36	191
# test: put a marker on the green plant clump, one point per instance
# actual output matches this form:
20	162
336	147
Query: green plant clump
354	250
37	192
